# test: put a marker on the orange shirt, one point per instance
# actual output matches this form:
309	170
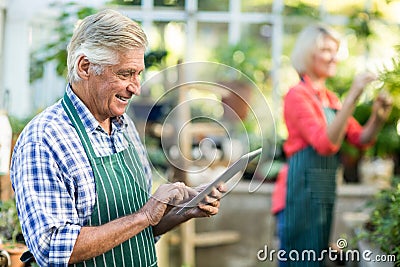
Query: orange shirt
306	123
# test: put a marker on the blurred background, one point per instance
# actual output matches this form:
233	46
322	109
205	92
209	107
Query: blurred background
255	38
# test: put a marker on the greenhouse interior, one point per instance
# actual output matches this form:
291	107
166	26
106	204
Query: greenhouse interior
213	89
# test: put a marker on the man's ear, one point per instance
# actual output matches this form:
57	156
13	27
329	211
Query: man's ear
83	67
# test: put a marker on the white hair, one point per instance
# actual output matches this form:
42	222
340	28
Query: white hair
101	37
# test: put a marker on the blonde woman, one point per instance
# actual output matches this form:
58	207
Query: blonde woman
317	123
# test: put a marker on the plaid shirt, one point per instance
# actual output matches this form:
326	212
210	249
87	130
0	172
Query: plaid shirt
53	181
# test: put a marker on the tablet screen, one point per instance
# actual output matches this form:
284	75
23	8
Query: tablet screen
231	171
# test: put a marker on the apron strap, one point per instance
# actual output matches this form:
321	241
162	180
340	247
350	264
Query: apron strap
76	121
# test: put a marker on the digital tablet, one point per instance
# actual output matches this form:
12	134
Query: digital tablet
239	165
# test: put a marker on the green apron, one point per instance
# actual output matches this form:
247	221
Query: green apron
311	191
120	190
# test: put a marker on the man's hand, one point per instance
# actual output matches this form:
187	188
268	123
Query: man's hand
166	197
208	207
210	204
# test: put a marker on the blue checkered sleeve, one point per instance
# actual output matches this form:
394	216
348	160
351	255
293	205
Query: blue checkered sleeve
48	214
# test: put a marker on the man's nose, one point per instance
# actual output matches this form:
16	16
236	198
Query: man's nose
134	87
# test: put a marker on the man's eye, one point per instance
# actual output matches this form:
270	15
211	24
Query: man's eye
124	74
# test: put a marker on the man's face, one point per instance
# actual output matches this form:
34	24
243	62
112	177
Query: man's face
110	92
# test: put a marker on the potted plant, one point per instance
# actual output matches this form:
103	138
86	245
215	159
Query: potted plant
10	232
382	229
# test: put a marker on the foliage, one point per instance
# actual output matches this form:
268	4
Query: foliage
387	141
383	226
17	125
56	49
390	76
179	3
212	5
301	9
341	82
245	57
153	58
10	226
126	2
36	68
360	20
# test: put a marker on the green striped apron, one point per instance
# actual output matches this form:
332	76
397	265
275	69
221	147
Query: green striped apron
120	190
311	191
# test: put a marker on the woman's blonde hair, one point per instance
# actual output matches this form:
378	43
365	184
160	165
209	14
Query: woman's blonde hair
101	37
310	39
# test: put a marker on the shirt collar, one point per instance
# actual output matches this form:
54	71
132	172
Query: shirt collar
307	80
320	93
89	121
